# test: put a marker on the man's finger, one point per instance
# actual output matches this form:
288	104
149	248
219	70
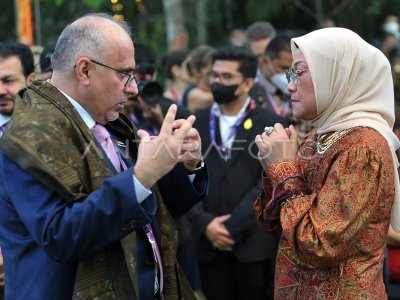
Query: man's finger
185	127
178	123
169	118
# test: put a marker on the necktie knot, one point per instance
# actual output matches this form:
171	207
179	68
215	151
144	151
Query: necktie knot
100	133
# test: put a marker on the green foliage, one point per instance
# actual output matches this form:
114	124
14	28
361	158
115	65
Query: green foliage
363	16
263	10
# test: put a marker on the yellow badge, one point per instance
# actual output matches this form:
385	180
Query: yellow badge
248	124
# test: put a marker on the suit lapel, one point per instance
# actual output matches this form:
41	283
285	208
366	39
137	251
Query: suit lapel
242	138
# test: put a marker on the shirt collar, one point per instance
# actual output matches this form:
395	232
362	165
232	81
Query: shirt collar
4	119
89	121
217	111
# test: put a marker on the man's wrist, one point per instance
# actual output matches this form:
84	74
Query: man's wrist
199	167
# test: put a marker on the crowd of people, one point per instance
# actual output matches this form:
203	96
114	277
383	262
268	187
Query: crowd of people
264	169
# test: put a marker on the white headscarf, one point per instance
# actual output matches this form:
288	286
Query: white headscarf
353	87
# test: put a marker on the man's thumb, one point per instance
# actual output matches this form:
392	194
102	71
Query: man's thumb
143	134
224	218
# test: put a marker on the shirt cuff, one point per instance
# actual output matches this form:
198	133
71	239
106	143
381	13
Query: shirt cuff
286	179
280	171
141	192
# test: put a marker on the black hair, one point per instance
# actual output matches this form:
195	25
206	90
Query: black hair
45	58
22	51
247	60
173	58
277	45
145	59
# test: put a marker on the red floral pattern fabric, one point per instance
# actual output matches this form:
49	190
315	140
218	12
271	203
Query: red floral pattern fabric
331	238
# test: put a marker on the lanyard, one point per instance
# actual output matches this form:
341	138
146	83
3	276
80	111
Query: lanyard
213	118
279	111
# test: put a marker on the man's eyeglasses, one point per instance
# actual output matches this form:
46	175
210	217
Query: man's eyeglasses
223	77
293	75
130	78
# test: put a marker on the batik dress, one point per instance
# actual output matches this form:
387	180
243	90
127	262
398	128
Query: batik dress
331	212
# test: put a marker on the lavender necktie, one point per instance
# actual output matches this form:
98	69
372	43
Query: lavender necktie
103	137
3	128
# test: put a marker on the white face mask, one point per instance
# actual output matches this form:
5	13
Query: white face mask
280	81
391	28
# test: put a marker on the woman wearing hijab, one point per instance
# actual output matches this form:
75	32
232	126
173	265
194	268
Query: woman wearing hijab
330	203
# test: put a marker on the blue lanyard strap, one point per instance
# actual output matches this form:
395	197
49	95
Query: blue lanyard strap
213	127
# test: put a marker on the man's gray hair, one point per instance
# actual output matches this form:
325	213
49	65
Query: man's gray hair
81	38
260	31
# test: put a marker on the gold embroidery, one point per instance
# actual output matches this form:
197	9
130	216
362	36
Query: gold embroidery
326	140
287	201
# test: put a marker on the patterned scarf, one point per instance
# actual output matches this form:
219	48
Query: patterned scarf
49	140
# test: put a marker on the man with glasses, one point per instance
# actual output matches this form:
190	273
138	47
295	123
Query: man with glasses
86	209
236	258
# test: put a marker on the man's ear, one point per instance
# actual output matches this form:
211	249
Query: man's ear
31	77
249	84
83	70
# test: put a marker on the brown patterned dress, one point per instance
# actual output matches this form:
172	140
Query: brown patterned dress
331	212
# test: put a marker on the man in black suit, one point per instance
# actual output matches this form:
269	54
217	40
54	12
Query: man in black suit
236	258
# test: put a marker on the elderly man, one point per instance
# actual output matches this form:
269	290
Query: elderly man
86	211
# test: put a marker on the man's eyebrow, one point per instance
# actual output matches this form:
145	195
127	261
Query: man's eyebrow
8	76
127	70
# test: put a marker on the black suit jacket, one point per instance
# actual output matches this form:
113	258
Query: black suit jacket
233	187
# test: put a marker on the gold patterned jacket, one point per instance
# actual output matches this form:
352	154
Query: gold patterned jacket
331	212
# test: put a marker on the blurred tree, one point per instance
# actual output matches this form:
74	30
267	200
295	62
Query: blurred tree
206	21
176	29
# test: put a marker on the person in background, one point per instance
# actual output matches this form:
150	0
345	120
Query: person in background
393	240
148	108
147	111
236	258
146	68
237	37
259	35
92	209
331	205
198	95
389	39
46	69
16	73
270	89
175	74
